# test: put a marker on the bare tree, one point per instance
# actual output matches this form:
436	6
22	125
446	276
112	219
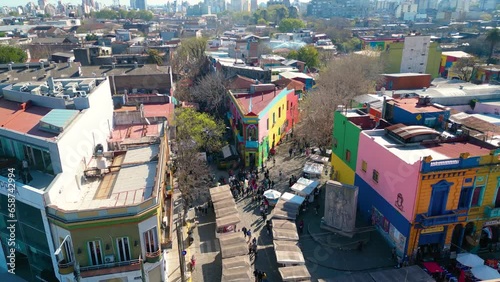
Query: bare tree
189	59
464	68
343	79
210	93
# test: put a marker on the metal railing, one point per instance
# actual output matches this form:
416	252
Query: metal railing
110	265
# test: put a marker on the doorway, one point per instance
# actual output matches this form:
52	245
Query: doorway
251	161
456	238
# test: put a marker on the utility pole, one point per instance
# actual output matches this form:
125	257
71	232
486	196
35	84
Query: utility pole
180	243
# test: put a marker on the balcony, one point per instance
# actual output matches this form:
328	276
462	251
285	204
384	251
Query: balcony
153	257
252	144
66	268
490	212
450	217
110	268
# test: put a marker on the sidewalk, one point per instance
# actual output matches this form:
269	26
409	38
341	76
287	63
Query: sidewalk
173	263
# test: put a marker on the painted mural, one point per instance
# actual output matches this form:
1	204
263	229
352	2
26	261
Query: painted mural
340	206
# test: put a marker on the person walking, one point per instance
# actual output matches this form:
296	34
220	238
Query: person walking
268	227
249	234
301	226
281	175
193	263
254	241
254	250
264	216
274	161
259	276
394	254
290	152
244	230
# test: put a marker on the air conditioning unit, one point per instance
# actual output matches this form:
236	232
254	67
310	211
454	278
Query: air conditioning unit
109	259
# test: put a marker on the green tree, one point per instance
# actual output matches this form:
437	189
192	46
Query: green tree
144	15
353	44
91	37
465	68
14	14
105	14
309	55
278	13
201	129
12	54
190	57
293	55
289	25
2	34
154	57
493	37
261	22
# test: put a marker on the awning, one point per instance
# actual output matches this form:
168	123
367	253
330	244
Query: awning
286	246
284	224
236	262
272	194
225	211
232	238
313	168
305	186
290	198
294	273
217	197
219	189
295	258
285	234
235	274
319	159
223	204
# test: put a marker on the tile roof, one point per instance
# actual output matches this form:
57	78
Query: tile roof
240	82
410	105
453	150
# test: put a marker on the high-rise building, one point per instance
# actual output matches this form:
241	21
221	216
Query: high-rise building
338	8
132	4
42	3
141	4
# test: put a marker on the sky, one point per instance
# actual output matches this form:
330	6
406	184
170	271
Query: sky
106	2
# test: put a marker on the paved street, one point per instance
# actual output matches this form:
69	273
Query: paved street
327	255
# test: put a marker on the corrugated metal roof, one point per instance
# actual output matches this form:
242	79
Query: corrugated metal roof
60	117
134	178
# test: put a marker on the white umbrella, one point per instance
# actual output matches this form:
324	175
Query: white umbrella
469	259
485	272
272	194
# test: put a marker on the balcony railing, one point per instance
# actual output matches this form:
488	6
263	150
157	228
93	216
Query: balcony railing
153	257
491	212
452	216
111	268
66	268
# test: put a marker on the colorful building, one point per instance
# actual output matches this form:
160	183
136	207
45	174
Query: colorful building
423	189
448	59
260	117
348	124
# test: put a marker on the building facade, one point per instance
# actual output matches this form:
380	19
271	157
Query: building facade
448	60
413	54
260	117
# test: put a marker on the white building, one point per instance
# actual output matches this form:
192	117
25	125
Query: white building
415	54
406	11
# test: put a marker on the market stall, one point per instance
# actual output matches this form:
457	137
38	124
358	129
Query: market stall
285	234
312	170
219	189
223	204
305	187
484	272
236	262
235	274
294	273
221	196
232	245
225	211
227	223
291	200
319	159
288	253
272	196
284	224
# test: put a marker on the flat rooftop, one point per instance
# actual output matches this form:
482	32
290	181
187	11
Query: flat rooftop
411	105
14	118
130	182
414	152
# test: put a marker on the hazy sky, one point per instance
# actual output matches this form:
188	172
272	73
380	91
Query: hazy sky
106	2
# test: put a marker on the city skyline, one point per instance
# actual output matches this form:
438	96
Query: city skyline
105	2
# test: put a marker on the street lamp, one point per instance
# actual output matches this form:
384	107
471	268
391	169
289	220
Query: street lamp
72	254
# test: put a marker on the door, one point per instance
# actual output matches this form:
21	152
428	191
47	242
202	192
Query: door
439	198
251	160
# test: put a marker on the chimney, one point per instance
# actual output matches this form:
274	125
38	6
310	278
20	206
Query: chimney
9	66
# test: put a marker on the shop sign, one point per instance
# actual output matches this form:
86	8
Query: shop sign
493	222
433	230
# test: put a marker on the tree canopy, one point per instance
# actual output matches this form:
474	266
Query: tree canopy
307	54
342	79
154	57
493	37
201	129
12	54
289	25
123	14
464	68
210	93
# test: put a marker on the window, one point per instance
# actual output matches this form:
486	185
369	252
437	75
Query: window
464	200
375	176
267	124
150	240
348	155
476	196
274	118
95	255
287	105
364	166
66	253
279	112
38	159
123	249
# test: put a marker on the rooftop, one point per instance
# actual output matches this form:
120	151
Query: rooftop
411	105
439	151
408	74
292	75
26	121
130	181
255	102
457	54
